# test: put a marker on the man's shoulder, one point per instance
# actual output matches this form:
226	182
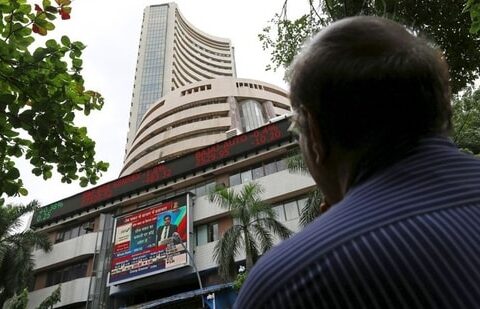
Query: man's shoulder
413	261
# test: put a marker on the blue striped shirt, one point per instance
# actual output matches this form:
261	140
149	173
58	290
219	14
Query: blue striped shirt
408	237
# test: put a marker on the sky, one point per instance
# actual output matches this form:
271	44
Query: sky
111	31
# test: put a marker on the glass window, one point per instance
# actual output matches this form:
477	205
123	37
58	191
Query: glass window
279	212
252	113
235	180
202	235
246	176
301	203
291	210
67	234
200	190
60	236
281	165
75	231
270	168
210	186
67	274
212	232
258	172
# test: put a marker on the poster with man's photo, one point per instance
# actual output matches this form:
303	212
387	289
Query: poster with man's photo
150	241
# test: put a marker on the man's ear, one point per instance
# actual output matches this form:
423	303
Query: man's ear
314	139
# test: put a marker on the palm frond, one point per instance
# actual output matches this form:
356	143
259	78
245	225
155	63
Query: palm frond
296	163
276	227
264	236
226	249
311	210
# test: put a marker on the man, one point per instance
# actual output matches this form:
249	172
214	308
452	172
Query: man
373	115
166	230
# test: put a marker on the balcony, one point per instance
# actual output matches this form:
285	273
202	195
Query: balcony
67	250
75	291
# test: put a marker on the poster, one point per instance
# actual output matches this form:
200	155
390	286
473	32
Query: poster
150	241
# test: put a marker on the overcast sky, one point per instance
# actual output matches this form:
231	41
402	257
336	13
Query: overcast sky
111	31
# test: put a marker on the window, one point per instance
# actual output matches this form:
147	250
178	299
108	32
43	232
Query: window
67	273
291	210
203	188
265	169
235	180
206	233
281	165
258	172
74	231
246	176
280	212
270	168
251	114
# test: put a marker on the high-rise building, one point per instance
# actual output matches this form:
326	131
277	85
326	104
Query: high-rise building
194	125
172	54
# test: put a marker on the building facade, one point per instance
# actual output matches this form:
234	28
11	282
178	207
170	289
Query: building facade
201	114
193	125
173	53
84	227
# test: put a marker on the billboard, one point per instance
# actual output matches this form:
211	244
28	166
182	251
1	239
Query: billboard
150	241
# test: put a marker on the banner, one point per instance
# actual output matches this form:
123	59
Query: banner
150	241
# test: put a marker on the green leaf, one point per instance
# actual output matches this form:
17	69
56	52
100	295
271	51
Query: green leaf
52	44
23	191
65	40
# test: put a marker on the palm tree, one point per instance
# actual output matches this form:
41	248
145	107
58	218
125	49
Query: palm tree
16	263
314	206
254	227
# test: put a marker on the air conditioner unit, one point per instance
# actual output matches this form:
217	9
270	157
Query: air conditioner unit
232	133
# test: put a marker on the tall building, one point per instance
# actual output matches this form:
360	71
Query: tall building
194	125
173	53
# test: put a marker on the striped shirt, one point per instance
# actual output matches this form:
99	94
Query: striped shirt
408	237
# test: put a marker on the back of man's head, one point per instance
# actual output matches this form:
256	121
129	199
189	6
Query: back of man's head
371	85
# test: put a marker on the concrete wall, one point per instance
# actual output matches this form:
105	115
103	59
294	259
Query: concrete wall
66	250
75	291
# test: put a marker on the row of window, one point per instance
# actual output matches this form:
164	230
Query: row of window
206	233
290	210
199	62
264	169
178	124
179	109
212	62
183	27
67	273
196	89
74	231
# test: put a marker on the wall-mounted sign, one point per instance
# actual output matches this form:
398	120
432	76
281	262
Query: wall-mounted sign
150	241
236	146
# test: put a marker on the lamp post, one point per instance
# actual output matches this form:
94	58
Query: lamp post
176	237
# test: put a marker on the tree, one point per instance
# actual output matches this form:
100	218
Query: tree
40	94
21	301
315	199
16	263
473	8
445	22
253	229
466	121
